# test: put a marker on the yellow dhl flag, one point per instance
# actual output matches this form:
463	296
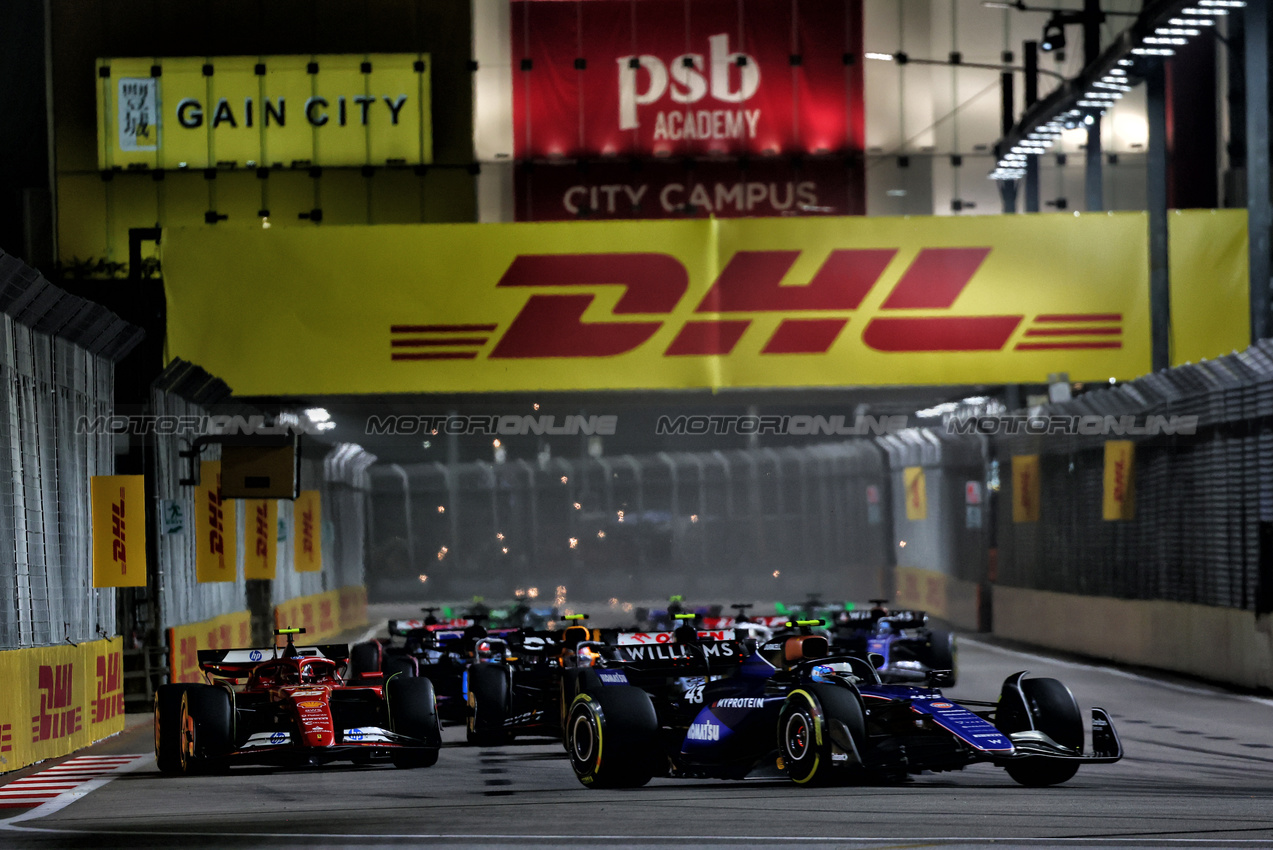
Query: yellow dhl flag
215	526
1025	488
916	493
260	555
307	516
119	530
1120	492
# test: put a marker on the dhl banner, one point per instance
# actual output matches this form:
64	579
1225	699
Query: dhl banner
184	642
264	111
779	302
1120	493
323	615
1025	488
58	699
916	493
307	538
215	523
119	530
260	552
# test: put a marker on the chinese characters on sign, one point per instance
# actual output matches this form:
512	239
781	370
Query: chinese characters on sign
138	121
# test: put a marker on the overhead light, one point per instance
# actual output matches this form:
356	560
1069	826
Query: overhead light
884	57
1153	51
1053	35
1150	39
1192	22
1177	31
317	414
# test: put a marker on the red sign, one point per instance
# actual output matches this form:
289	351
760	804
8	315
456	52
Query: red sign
674	78
773	186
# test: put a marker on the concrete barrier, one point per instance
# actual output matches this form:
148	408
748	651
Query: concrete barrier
1221	644
956	601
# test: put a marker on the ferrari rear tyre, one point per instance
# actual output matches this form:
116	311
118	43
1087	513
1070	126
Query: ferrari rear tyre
364	658
193	728
815	722
413	712
488	706
1055	713
612	736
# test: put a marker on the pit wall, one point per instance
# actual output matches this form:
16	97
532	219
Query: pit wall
57	699
956	601
1221	644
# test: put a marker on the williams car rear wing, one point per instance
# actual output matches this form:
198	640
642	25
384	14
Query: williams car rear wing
239	663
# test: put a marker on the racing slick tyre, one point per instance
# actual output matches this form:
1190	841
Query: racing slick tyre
942	654
1056	714
364	658
575	681
488	705
815	721
193	728
399	664
413	712
612	736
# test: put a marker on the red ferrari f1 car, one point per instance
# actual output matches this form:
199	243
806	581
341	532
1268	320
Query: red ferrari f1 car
291	707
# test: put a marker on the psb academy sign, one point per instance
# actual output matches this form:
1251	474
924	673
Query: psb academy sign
264	111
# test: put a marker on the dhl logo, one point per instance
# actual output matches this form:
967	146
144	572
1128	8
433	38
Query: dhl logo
216	540
915	315
262	515
119	552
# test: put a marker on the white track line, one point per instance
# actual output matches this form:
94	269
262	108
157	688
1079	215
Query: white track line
1114	671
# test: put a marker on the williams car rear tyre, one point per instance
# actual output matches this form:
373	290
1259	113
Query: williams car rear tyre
193	728
488	706
943	654
612	736
821	733
413	712
1056	714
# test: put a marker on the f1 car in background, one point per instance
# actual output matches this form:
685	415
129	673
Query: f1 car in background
911	649
292	707
834	720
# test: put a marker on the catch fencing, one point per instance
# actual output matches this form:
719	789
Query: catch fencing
1202	530
761	523
57	356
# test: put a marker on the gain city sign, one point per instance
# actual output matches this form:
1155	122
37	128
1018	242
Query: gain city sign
690	304
264	111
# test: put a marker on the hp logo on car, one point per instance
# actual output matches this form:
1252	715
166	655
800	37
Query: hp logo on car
278	737
255	655
354	735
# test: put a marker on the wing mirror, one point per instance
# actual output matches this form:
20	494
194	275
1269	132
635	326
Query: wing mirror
938	678
877	660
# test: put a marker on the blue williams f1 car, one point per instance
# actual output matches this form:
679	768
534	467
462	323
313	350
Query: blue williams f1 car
718	709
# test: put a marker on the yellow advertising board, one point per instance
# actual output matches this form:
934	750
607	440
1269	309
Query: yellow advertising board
1025	488
184	642
260	551
58	699
670	304
264	111
1119	500
307	526
916	493
215	524
319	615
119	530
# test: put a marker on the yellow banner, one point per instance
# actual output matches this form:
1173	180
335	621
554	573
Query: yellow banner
916	493
229	631
261	541
119	530
1025	488
215	524
264	111
319	615
1210	298
59	699
307	528
1120	490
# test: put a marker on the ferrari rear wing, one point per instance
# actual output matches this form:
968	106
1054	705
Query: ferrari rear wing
238	663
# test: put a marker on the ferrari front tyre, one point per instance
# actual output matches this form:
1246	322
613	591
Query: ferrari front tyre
1055	713
488	706
821	733
612	736
413	712
194	728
